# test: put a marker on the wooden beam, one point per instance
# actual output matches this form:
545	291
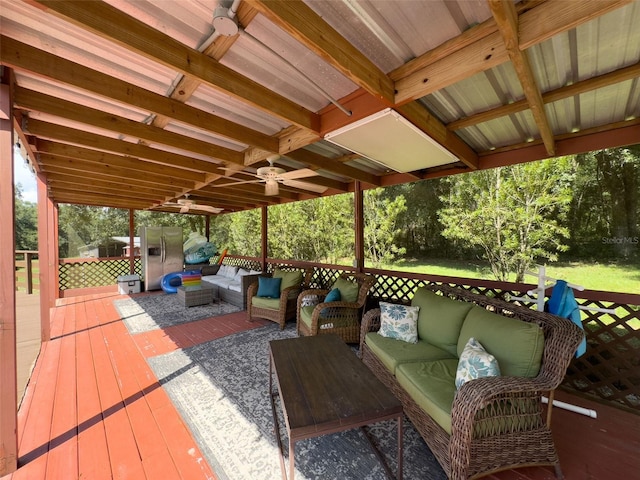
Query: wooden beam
99	142
136	36
611	78
607	136
553	17
482	48
51	163
40	102
67	176
141	166
325	163
25	57
306	26
506	17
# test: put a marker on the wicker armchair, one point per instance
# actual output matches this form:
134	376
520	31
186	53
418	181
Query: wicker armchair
286	307
497	422
340	318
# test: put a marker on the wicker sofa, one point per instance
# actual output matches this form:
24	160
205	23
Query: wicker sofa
488	424
230	284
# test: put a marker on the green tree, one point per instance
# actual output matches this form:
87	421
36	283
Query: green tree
605	211
381	226
26	222
514	214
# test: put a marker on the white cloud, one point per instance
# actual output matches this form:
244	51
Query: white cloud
23	175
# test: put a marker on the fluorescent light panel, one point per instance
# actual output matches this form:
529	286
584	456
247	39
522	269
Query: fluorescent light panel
388	138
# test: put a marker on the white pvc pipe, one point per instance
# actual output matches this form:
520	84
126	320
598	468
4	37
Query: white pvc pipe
572	408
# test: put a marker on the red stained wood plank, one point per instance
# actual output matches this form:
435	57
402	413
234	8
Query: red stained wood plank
93	455
123	452
63	447
183	449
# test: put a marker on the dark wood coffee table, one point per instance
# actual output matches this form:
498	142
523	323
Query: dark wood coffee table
324	388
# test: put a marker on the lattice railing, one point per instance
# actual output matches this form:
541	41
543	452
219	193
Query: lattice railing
609	371
93	272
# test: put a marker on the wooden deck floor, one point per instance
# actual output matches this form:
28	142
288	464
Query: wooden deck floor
93	408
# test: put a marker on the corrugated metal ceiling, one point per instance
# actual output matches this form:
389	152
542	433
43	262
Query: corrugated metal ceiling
273	52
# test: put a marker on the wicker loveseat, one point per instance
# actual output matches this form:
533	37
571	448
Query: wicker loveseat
230	283
488	424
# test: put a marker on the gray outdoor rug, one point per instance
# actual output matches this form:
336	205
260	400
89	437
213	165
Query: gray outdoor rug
221	390
150	312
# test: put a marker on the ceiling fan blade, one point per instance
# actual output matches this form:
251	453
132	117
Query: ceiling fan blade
207	208
232	184
305	186
184	209
295	174
271	188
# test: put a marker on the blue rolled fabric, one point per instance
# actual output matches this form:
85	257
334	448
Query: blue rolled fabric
563	304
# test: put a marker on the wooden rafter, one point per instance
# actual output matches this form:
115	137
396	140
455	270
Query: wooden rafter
303	24
35	101
601	81
24	57
483	48
506	17
136	36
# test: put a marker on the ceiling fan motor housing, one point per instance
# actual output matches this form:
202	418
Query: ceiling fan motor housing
270	172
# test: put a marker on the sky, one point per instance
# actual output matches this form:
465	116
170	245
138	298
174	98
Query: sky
24	176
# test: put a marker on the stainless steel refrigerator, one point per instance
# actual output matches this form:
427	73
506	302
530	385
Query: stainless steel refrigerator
161	250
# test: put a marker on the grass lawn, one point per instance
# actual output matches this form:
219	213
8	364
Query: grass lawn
609	277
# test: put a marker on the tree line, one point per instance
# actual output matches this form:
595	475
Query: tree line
582	207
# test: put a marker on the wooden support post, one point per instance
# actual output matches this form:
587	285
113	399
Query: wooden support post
28	259
358	200
132	246
47	272
8	359
264	237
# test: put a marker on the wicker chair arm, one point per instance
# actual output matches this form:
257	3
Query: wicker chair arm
506	397
370	323
317	320
314	291
252	289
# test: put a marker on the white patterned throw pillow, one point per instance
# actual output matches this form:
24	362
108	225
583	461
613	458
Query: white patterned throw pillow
475	362
399	322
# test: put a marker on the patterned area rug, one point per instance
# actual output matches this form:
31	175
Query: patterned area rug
153	311
221	390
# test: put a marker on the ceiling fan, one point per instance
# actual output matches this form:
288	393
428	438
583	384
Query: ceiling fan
186	205
272	176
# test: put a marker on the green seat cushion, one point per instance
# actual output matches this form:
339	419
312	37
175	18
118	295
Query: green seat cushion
264	302
348	290
517	345
289	278
440	319
432	386
392	352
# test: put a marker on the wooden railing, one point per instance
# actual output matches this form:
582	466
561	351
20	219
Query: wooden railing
26	270
608	372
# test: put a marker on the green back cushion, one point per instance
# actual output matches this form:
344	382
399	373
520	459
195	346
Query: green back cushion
517	345
440	319
289	279
348	290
